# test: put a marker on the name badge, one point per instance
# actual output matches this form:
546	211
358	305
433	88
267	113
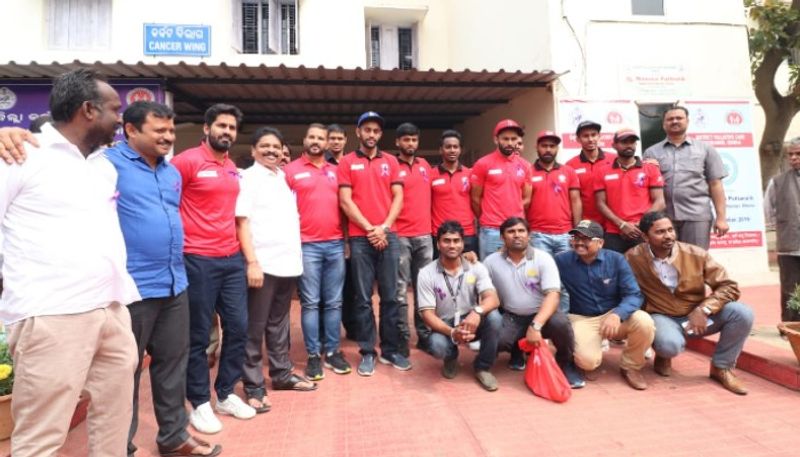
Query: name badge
302	175
537	179
611	177
438	182
357	166
207	174
496	171
580	170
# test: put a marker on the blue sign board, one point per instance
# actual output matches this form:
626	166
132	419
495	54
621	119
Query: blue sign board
177	40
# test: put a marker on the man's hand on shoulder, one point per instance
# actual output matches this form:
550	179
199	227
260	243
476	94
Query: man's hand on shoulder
12	144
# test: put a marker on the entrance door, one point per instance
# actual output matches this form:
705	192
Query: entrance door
650	123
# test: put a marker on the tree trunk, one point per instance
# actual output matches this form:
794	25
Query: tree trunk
771	147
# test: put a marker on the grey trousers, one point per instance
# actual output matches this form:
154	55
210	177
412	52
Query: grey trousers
789	267
697	233
268	320
415	253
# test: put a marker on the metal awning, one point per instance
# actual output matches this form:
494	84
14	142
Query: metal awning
283	95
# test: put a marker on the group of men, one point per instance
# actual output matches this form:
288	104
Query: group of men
89	229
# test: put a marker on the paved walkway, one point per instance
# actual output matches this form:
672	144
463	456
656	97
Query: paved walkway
418	413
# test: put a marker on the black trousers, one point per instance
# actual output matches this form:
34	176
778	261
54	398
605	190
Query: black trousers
161	327
619	243
789	267
558	329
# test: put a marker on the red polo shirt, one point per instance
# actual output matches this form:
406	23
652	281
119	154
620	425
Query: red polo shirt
317	192
585	171
450	198
208	202
551	209
628	191
502	179
415	217
371	181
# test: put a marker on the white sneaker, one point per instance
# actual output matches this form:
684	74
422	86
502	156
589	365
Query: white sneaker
203	419
234	406
475	345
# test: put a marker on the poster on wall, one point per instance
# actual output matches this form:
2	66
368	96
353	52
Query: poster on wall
612	115
22	102
726	125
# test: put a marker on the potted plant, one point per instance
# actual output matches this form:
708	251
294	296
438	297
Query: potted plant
792	329
6	384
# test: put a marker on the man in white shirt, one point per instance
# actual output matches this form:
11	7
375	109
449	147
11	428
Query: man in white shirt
268	228
66	283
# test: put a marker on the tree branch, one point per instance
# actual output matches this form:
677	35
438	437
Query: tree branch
764	80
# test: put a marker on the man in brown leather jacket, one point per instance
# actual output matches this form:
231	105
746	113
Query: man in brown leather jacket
672	276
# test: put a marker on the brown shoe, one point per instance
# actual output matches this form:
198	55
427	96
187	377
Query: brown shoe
634	378
486	380
591	375
662	366
728	380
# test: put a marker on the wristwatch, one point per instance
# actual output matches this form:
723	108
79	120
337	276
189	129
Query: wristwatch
536	326
479	310
706	310
385	228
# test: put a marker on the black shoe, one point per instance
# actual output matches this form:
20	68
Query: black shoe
517	361
336	362
314	368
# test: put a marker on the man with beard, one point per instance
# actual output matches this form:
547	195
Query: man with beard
66	283
313	181
215	267
693	173
337	140
528	285
459	303
413	230
450	188
624	191
500	185
371	196
590	159
674	277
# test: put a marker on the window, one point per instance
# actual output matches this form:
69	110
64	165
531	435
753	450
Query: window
79	24
265	26
648	7
391	47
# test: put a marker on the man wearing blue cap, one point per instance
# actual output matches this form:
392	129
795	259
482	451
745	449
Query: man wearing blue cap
371	196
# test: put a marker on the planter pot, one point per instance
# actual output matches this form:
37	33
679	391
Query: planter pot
792	332
7	422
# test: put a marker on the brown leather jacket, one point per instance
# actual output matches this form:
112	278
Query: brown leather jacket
696	269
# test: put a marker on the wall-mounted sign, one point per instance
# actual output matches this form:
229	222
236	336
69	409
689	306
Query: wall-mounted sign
655	81
177	40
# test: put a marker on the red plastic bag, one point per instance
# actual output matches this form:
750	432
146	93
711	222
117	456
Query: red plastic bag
543	375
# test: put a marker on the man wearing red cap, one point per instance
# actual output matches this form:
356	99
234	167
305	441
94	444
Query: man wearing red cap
624	191
590	159
500	185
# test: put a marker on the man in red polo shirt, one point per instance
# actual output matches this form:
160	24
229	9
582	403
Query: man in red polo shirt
371	196
413	229
215	267
500	185
313	180
624	191
450	189
590	158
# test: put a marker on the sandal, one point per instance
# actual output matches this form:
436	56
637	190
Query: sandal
263	407
294	383
190	447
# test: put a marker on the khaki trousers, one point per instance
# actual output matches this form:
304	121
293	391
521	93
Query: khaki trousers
638	329
55	359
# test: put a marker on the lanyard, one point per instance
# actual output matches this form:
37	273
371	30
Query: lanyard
455	294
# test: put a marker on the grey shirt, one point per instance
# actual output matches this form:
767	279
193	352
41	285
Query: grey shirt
770	211
687	169
522	287
433	292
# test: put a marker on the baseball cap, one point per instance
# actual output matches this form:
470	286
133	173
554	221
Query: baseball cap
587	125
622	134
588	228
370	116
506	124
548	134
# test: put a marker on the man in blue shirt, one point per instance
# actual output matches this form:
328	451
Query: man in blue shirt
149	191
604	302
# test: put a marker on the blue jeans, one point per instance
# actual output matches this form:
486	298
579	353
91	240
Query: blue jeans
321	283
441	347
369	264
489	241
215	283
733	324
554	244
415	253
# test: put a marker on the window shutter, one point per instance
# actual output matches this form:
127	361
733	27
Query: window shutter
237	26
